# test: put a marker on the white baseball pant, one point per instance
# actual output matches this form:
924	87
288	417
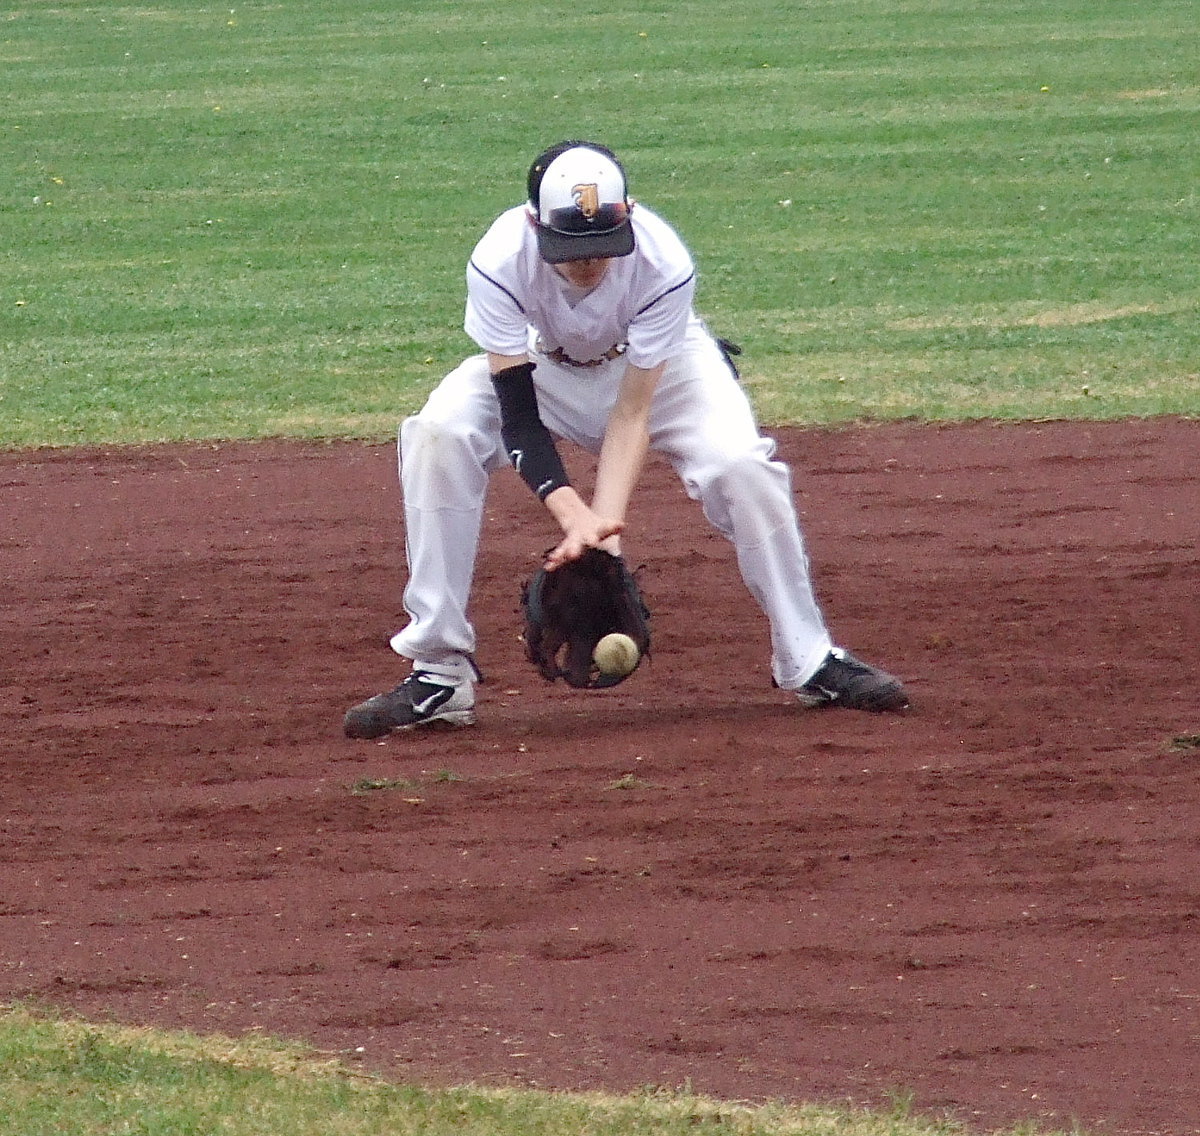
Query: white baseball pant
700	420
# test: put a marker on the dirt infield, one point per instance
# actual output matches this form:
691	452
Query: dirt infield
992	902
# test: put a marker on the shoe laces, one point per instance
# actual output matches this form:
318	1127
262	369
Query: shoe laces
423	677
449	674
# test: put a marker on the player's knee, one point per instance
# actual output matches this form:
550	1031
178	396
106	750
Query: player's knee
436	453
747	483
428	432
749	471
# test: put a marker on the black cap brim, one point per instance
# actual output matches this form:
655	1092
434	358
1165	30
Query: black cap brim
558	248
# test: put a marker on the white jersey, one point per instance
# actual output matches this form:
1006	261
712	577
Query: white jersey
643	305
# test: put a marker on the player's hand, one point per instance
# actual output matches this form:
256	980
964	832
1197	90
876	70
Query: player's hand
575	543
582	527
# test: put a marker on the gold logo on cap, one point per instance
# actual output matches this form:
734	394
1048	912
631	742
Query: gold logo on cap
587	197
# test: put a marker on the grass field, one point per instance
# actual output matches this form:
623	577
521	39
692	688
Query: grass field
253	220
59	1076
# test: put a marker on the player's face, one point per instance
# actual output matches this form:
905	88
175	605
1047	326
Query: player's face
584	273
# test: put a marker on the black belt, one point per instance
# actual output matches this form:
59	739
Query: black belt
558	355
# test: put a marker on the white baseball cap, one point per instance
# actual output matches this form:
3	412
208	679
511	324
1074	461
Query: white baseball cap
580	205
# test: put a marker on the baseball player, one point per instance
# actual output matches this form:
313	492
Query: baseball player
580	301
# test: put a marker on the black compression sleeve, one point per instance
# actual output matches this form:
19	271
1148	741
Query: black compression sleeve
530	447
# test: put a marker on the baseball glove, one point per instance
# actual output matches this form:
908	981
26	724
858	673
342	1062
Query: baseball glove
568	611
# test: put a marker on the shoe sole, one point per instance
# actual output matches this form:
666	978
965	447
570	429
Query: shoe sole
455	720
812	701
893	702
366	731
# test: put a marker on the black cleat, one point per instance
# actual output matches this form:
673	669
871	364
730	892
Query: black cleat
422	699
851	684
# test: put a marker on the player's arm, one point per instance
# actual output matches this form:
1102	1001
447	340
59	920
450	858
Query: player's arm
529	445
535	457
622	455
626	441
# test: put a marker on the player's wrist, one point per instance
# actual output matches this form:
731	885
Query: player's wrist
565	505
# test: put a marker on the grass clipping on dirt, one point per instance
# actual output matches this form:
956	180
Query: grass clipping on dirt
62	1075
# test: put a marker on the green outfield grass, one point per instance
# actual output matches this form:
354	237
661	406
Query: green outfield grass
249	220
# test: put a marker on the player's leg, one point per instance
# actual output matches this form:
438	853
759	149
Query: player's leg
703	421
446	455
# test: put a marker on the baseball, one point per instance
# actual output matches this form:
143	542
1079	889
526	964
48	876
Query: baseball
616	654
